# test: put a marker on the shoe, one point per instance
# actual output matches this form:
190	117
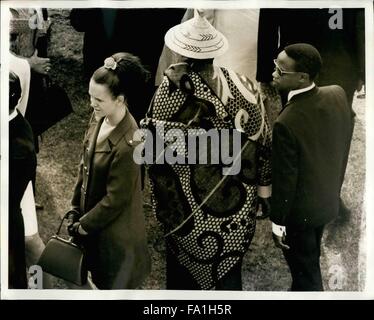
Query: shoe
38	206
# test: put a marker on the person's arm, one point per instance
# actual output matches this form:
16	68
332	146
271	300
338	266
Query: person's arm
39	65
75	202
36	63
250	91
21	67
284	173
264	166
264	188
284	177
121	183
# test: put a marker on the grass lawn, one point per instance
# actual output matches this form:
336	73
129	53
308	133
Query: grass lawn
264	268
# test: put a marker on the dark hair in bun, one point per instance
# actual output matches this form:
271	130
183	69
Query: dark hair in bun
123	74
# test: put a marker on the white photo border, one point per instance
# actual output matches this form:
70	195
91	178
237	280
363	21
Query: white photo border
62	294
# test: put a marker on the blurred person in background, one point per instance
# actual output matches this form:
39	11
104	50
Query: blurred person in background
111	30
29	32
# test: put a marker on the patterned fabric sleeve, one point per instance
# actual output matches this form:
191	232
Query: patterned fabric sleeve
264	164
264	140
272	101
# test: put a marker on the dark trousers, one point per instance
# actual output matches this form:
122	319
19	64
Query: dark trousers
303	258
17	261
179	278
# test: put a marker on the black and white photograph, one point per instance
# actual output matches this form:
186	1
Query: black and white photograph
186	149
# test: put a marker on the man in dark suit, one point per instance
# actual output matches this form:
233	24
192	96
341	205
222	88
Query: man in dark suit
22	168
338	35
310	141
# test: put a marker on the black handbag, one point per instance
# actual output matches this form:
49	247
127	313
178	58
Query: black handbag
64	259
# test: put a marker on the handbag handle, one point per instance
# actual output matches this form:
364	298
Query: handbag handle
63	218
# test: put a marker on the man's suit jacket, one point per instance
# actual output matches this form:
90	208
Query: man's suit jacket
22	159
311	139
342	50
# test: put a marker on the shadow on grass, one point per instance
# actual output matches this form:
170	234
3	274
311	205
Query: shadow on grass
48	220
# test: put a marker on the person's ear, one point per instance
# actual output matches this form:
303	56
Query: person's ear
121	99
304	78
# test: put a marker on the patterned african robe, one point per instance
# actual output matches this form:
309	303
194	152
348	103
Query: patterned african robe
210	233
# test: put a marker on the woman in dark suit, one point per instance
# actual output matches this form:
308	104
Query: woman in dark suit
107	198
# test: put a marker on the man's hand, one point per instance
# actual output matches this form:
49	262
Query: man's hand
39	65
280	241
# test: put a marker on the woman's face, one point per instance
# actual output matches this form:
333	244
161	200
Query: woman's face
102	101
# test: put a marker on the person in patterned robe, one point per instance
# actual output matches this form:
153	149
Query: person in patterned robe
208	217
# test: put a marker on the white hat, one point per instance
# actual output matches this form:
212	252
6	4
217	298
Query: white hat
196	38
